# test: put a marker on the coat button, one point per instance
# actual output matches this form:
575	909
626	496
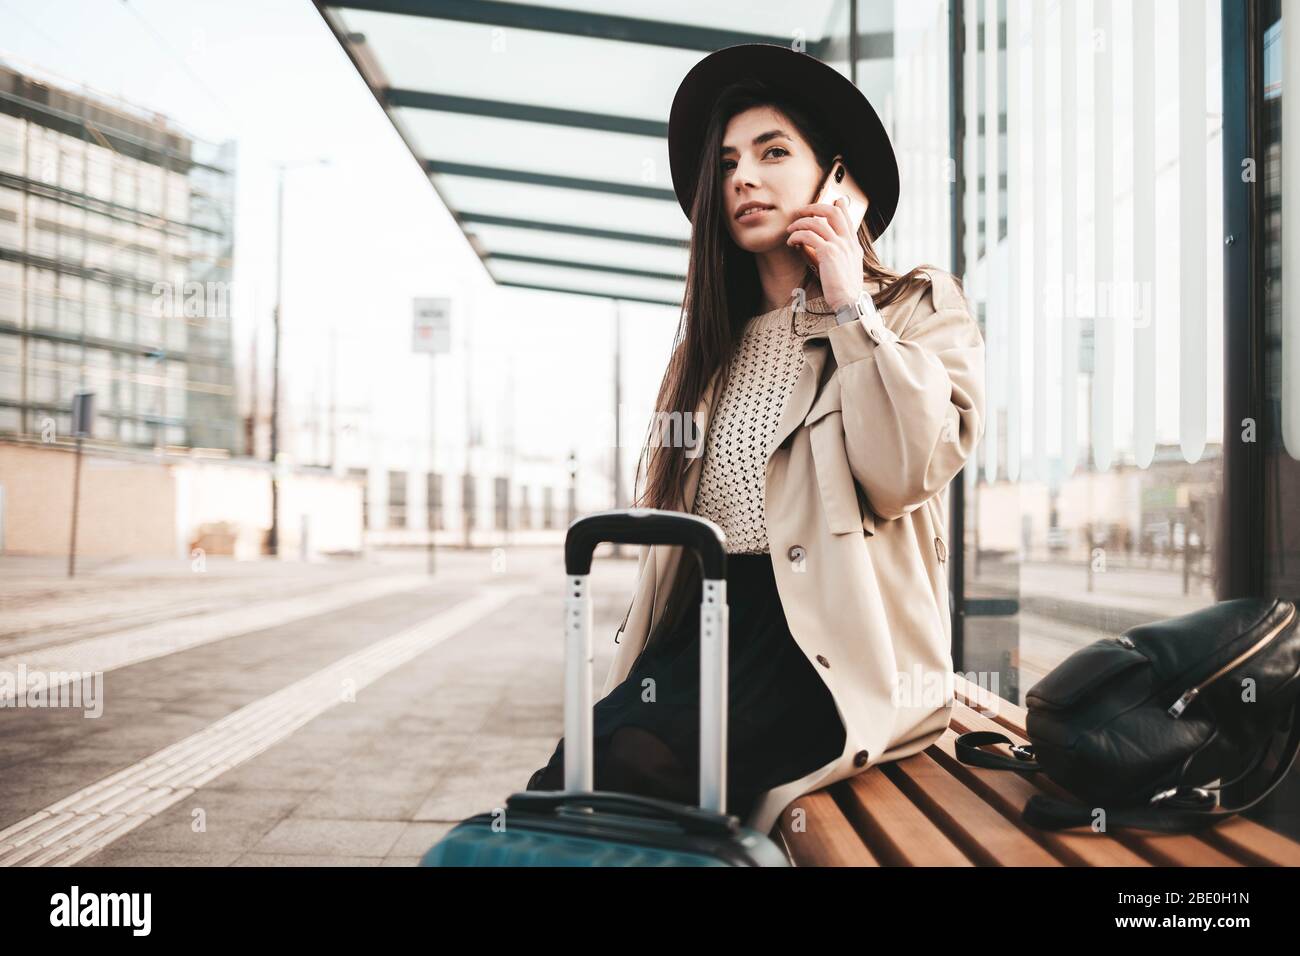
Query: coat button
880	334
939	549
823	661
795	553
860	758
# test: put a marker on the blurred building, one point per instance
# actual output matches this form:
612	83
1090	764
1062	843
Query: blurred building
116	235
116	248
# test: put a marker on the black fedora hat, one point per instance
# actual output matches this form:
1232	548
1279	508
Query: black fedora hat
821	88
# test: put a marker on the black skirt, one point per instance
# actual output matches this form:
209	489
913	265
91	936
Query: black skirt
782	722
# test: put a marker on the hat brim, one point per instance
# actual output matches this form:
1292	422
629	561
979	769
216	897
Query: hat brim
868	152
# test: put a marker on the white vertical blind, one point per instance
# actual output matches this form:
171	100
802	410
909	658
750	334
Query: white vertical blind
904	132
1038	245
1102	305
994	271
932	63
969	238
1016	273
911	97
1192	226
970	141
1144	228
1102	412
1069	322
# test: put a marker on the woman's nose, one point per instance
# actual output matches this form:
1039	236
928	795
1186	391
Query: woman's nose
743	174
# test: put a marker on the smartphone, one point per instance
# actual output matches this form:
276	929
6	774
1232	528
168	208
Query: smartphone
839	183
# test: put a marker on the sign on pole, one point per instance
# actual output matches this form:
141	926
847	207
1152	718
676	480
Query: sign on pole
432	329
83	426
83	414
431	334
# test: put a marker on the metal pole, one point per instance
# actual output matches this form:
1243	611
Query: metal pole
273	539
433	445
76	497
251	428
959	509
468	497
333	387
618	398
1240	559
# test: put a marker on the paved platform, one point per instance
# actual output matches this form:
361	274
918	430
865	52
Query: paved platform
373	780
341	713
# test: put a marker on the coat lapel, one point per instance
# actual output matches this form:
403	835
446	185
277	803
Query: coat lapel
815	346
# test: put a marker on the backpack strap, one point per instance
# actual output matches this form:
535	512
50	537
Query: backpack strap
968	752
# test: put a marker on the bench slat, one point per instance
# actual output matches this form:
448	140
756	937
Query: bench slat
895	828
826	837
983	834
1008	792
1253	843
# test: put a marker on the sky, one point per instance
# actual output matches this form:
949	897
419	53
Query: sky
364	235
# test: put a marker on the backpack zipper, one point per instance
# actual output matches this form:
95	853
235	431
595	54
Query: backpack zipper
1190	694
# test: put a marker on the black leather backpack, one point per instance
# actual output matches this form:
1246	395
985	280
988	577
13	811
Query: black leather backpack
1140	724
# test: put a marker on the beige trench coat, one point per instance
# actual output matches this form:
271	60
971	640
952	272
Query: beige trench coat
855	503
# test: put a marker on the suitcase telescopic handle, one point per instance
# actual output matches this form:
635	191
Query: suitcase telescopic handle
646	526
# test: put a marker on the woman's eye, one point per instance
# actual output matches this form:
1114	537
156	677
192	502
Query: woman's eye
730	164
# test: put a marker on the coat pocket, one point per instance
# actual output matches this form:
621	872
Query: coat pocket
839	491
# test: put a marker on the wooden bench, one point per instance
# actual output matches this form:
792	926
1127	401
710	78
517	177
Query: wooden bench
932	810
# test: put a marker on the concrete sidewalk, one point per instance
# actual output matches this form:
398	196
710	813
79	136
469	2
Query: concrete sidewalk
440	729
374	781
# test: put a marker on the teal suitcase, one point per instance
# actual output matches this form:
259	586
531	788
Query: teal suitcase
579	826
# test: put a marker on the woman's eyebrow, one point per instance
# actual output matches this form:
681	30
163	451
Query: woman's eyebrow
760	138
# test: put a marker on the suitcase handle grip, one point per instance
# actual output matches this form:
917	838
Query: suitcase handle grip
646	526
691	819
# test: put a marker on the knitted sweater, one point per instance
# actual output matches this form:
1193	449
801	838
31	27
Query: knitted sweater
763	371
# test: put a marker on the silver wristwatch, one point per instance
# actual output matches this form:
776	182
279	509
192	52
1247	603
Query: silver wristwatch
865	309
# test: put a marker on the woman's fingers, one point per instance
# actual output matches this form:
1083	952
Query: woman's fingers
811	239
815	224
835	215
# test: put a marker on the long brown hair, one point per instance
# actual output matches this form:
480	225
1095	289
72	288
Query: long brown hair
722	293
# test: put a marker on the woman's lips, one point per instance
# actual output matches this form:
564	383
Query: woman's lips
754	214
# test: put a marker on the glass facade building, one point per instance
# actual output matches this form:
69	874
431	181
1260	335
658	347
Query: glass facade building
116	237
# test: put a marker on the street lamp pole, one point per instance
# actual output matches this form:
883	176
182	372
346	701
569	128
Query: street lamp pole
273	537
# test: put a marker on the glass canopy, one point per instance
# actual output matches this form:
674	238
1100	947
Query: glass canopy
543	127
